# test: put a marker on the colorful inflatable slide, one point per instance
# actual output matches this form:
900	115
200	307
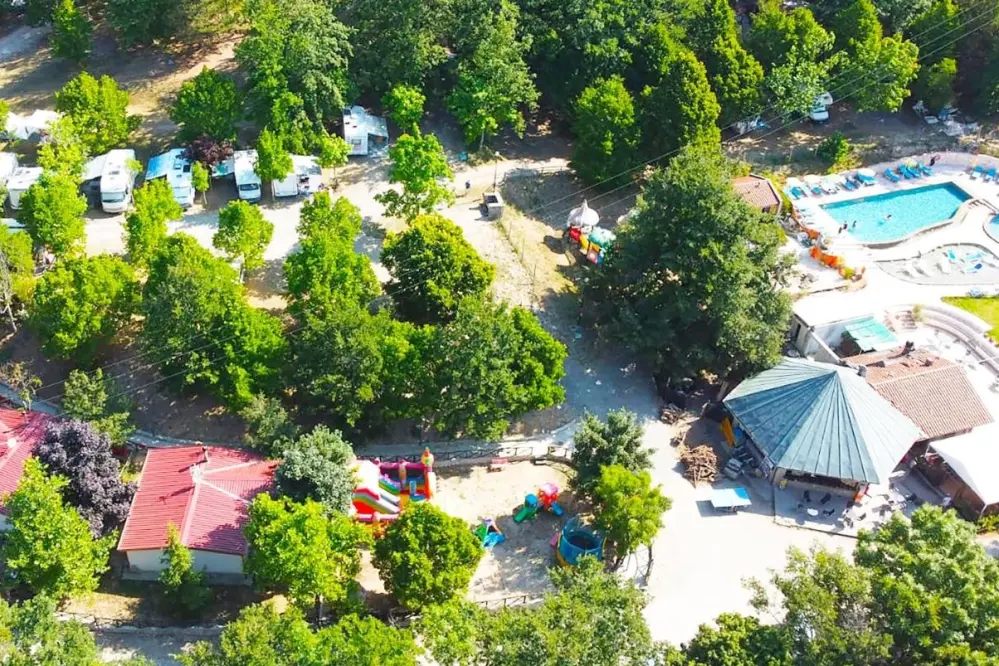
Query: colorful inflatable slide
384	489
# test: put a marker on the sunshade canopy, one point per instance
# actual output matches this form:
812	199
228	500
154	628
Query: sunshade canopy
871	335
822	419
975	458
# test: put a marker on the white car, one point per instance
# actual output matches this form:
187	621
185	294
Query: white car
819	113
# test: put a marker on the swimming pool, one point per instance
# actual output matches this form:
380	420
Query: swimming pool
884	218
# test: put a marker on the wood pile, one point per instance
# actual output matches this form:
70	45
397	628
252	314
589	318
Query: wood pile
701	464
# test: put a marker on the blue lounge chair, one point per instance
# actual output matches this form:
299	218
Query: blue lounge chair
849	184
864	179
952	256
814	188
979	171
890	175
904	171
927	171
974	269
990	175
798	192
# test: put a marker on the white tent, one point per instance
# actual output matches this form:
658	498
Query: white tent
29	127
975	458
583	216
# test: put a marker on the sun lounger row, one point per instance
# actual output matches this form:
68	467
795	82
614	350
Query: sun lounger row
817	186
986	176
907	171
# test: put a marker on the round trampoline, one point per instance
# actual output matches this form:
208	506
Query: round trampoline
577	540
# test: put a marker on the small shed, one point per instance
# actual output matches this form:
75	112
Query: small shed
363	131
758	192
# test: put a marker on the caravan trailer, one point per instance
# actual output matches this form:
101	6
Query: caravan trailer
247	180
175	166
19	182
305	178
117	181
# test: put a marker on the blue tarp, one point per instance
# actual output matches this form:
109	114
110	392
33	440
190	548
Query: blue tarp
159	166
730	498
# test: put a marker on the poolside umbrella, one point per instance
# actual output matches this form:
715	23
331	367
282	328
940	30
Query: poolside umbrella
866	173
812	179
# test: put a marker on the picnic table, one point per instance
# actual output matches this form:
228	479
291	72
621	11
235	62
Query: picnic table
730	499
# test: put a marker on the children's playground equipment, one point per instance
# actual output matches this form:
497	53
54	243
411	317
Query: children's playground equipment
547	498
581	227
384	489
576	540
489	533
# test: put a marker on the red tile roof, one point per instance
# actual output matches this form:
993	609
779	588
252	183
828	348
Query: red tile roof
20	433
932	391
204	491
756	191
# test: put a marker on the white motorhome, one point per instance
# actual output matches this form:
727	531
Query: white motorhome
19	183
117	180
305	178
362	130
175	166
247	180
8	165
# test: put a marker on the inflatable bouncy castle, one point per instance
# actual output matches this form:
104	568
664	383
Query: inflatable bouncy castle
384	489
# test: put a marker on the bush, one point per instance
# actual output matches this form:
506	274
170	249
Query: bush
988	523
99	401
183	586
426	556
269	428
835	151
317	467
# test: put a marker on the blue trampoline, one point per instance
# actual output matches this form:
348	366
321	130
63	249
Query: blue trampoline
577	540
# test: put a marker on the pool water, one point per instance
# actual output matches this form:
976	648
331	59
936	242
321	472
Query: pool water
909	211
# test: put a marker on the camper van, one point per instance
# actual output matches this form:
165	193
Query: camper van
175	166
117	181
305	178
247	180
19	182
8	165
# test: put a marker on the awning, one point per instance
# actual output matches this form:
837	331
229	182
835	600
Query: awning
159	166
871	335
975	458
94	168
729	498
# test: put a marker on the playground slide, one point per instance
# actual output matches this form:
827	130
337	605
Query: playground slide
389	486
365	503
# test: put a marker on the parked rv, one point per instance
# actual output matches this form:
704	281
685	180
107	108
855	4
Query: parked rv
8	165
247	180
175	166
305	178
19	182
117	181
363	131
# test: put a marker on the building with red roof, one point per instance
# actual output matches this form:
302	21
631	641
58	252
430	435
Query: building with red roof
758	192
20	433
205	491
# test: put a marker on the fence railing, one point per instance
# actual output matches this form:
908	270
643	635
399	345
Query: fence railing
511	452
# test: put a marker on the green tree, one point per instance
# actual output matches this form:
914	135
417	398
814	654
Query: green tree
898	15
269	427
736	76
99	112
795	84
931	29
397	41
65	154
490	364
273	160
935	589
825	602
183	585
598	444
208	104
681	110
146	223
71	32
935	84
301	549
426	556
366	641
82	303
405	106
834	150
494	83
145	21
200	180
331	152
322	215
193	304
99	401
738	640
49	548
628	509
259	636
243	233
718	313
434	268
30	634
317	466
451	632
776	34
418	163
38	12
15	247
52	213
357	367
4	112
605	131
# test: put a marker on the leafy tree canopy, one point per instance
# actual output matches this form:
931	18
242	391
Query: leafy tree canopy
208	104
273	159
82	455
426	556
434	269
661	295
243	233
931	29
184	586
52	212
606	134
270	428
99	111
99	401
796	83
418	164
66	153
405	106
71	32
49	548
304	550
81	303
198	319
146	223
16	249
597	444
628	509
318	466
776	34
145	21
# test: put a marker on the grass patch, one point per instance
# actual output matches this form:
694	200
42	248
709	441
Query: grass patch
986	309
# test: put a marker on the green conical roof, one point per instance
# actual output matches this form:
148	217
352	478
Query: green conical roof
822	419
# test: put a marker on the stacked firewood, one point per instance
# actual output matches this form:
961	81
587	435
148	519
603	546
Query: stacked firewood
701	464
